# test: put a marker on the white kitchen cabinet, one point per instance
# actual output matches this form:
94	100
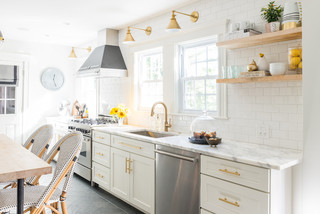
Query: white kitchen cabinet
120	176
133	175
142	182
101	175
228	187
101	154
101	159
224	197
244	174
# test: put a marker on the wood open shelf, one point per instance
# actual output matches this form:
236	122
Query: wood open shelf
263	39
262	79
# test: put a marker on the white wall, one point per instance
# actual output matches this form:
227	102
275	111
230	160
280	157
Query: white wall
279	106
41	102
276	106
311	115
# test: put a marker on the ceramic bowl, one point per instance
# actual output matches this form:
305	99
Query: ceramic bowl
279	68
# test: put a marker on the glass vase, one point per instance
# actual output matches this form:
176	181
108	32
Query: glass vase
120	121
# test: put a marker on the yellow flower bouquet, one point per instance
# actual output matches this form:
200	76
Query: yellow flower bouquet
119	112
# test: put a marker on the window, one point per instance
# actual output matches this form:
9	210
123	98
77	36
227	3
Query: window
199	71
7	100
150	77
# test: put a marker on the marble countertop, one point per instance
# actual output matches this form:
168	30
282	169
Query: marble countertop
253	154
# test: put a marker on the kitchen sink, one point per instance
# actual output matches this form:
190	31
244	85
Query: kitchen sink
153	134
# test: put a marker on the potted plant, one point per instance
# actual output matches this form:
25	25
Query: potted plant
272	15
119	113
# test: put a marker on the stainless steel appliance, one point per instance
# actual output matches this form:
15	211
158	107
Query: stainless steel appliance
84	126
177	181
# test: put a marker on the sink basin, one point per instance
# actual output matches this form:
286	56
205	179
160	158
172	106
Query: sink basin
153	134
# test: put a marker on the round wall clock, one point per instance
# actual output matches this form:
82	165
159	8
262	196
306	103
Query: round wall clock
52	78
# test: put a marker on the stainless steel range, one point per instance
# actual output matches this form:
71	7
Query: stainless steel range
85	126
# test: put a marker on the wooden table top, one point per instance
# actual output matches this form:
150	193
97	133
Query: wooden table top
17	162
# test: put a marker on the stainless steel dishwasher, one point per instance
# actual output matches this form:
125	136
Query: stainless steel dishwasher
177	181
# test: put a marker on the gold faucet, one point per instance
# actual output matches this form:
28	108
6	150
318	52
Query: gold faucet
166	124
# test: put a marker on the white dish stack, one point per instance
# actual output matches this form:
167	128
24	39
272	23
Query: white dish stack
291	15
279	68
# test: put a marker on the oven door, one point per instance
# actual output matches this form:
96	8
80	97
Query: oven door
85	154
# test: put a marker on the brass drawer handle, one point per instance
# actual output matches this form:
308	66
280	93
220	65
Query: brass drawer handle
229	202
227	171
101	154
100	176
130	161
102	138
126	169
129	145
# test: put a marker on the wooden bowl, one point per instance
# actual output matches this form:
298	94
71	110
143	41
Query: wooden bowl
213	141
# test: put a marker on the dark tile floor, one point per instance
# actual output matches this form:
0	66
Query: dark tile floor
84	199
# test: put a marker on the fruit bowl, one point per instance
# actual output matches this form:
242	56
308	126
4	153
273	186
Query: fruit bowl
213	141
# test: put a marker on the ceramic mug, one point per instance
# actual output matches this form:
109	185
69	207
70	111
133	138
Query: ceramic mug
274	26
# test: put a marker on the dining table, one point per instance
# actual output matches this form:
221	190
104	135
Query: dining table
18	163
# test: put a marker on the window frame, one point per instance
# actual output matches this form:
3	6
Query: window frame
139	58
6	99
182	79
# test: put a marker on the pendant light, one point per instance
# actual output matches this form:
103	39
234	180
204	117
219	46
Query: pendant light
73	53
1	39
129	38
173	24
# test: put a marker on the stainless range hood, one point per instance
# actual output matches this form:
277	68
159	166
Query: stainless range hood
106	60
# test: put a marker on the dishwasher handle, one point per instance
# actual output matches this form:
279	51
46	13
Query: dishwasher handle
194	160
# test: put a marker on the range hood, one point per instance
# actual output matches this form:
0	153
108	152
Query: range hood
105	60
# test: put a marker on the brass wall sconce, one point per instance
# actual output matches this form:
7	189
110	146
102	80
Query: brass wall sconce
73	54
1	39
129	38
173	24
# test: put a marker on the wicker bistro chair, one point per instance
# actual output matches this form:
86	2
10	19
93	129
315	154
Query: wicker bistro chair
39	143
37	198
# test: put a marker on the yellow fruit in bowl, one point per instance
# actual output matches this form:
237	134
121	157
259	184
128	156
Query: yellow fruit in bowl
294	52
295	60
300	65
293	67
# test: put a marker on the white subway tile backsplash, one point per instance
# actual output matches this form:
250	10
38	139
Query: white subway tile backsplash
277	105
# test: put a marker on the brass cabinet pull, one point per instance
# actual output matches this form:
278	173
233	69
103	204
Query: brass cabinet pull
229	202
227	171
100	176
129	145
100	137
126	170
130	161
101	154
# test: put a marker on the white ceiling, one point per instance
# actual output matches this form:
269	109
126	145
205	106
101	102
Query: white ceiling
73	22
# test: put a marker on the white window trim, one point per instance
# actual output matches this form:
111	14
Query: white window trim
221	94
138	81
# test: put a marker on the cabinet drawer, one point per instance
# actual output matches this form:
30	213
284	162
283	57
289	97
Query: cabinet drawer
247	175
101	137
101	154
222	197
101	175
134	146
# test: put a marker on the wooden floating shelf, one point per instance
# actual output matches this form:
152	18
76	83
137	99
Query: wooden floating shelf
262	79
263	39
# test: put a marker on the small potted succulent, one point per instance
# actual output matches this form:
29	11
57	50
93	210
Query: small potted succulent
272	14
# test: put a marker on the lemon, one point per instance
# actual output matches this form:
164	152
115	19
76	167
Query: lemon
294	52
293	67
295	60
300	65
